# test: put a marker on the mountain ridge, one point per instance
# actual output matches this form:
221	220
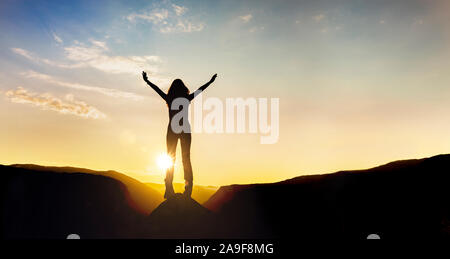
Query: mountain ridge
404	199
142	197
387	199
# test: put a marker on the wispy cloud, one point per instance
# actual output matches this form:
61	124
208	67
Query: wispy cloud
155	16
24	53
418	21
99	44
179	10
256	29
168	19
318	17
47	101
246	18
33	57
101	90
57	38
95	55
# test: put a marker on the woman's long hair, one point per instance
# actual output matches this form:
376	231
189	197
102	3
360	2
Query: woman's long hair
177	89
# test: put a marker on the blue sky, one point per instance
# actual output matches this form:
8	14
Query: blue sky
320	33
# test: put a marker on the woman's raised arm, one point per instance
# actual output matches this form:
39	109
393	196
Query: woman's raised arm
201	88
155	87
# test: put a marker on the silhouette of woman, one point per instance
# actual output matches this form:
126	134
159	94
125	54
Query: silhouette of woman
178	90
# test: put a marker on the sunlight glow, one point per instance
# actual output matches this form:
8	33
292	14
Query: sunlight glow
164	161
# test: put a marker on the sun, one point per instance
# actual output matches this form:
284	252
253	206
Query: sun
164	161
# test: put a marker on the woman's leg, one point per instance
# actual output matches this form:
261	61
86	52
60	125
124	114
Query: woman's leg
171	140
186	155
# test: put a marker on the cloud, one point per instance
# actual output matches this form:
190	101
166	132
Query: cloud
246	18
34	58
418	21
155	16
182	26
23	53
57	38
318	17
382	22
100	44
179	10
256	29
96	56
105	91
168	19
48	102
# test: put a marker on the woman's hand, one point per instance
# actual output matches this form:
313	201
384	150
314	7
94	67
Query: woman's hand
213	78
144	75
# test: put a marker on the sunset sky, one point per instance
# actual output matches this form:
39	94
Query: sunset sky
360	83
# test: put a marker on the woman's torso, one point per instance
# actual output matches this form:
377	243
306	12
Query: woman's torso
181	106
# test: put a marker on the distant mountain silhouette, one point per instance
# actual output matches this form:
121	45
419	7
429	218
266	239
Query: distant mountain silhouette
142	197
40	204
200	193
400	200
